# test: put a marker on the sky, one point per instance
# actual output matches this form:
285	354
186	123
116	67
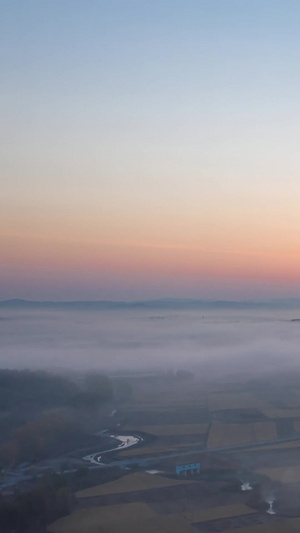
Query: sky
150	149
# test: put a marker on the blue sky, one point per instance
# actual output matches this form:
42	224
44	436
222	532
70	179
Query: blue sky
151	125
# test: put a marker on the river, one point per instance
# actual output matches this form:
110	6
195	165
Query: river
126	441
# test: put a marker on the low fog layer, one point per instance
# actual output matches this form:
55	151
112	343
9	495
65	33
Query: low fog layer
147	340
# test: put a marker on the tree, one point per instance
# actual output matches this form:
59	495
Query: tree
99	385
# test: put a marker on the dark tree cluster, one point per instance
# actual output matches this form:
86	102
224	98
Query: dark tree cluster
98	389
45	436
27	388
50	499
44	415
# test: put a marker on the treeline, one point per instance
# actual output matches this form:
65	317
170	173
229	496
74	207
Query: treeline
32	389
36	389
50	499
49	435
56	413
97	390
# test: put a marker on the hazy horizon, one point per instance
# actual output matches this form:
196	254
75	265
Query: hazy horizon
135	339
163	299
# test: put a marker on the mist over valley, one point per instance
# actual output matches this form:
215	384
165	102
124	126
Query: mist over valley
154	338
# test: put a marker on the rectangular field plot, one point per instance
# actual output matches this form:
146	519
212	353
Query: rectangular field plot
132	482
160	448
273	412
282	446
161	417
243	400
174	429
284	474
129	518
222	434
167	402
214	513
236	523
96	516
282	526
168	394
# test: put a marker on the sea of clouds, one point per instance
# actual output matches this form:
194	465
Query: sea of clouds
146	340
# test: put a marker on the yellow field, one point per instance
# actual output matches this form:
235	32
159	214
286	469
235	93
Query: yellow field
222	434
132	482
132	517
285	474
215	513
173	429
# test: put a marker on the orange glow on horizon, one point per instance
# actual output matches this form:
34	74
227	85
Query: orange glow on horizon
81	258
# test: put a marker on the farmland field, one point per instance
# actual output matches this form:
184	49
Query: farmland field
120	518
132	482
273	412
280	446
275	527
212	500
213	513
157	448
284	474
175	429
217	402
222	434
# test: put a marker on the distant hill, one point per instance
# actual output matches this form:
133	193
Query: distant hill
165	303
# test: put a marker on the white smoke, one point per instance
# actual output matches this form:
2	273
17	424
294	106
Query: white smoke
246	486
270	501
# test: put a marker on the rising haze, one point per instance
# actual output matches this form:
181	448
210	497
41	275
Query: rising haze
220	341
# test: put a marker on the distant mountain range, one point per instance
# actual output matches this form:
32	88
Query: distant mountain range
165	303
